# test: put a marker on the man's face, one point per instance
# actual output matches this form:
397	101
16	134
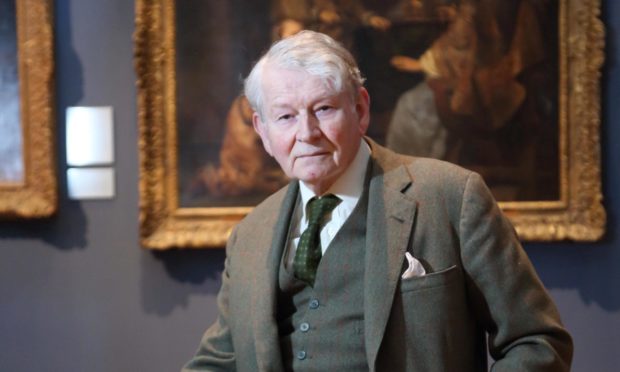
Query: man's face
312	131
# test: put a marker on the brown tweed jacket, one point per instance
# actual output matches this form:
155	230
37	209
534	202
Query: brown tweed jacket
479	280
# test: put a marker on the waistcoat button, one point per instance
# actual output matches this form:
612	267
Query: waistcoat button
304	327
301	355
314	304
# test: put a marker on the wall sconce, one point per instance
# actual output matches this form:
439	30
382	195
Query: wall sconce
90	152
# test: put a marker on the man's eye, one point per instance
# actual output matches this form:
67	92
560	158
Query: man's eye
324	111
285	117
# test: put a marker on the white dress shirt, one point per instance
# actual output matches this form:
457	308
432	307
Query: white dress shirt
348	187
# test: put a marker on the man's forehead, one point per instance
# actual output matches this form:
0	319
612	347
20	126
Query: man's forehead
283	101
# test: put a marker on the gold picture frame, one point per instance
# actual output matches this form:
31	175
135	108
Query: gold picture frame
577	214
34	195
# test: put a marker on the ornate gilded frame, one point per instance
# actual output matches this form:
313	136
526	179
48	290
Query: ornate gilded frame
36	196
577	215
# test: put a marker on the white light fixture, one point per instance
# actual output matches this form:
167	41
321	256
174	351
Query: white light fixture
90	136
90	183
90	152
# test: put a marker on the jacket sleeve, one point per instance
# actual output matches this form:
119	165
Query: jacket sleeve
216	351
523	325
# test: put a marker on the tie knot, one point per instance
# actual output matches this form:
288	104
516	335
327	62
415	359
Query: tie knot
318	207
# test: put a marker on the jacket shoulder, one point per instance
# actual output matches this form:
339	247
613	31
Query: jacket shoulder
437	174
267	211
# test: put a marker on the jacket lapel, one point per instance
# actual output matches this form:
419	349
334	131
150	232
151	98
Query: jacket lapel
391	212
264	298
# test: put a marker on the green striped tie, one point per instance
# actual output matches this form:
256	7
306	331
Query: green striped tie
308	252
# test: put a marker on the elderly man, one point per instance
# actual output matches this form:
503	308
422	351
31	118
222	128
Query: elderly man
368	260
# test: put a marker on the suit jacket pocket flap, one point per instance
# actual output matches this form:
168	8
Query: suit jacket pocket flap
428	281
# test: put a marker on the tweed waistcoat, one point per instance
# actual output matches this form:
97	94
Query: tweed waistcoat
322	328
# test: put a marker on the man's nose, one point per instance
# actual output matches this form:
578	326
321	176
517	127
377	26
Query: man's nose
307	128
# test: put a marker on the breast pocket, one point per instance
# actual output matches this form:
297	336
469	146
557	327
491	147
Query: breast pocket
433	280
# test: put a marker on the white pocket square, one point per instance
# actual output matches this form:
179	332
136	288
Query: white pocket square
415	267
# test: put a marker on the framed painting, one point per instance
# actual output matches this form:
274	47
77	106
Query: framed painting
28	186
507	88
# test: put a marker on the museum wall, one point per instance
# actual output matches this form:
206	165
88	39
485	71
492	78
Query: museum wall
78	293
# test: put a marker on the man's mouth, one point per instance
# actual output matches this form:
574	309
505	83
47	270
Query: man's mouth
320	153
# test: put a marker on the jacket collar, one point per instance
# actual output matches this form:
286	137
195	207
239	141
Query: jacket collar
391	212
264	298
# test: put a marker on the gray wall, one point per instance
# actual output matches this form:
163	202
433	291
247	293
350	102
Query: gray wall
77	292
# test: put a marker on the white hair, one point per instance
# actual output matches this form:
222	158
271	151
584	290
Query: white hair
312	52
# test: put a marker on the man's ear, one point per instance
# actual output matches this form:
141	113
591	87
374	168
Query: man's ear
362	108
260	128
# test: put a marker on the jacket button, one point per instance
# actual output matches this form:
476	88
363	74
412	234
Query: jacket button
301	355
314	304
304	327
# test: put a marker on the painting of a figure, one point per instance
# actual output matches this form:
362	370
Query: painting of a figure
488	99
474	82
221	162
11	164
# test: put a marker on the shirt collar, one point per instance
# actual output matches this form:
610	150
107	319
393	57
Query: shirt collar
349	186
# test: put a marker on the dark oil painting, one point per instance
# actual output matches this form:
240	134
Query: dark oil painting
473	82
11	153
